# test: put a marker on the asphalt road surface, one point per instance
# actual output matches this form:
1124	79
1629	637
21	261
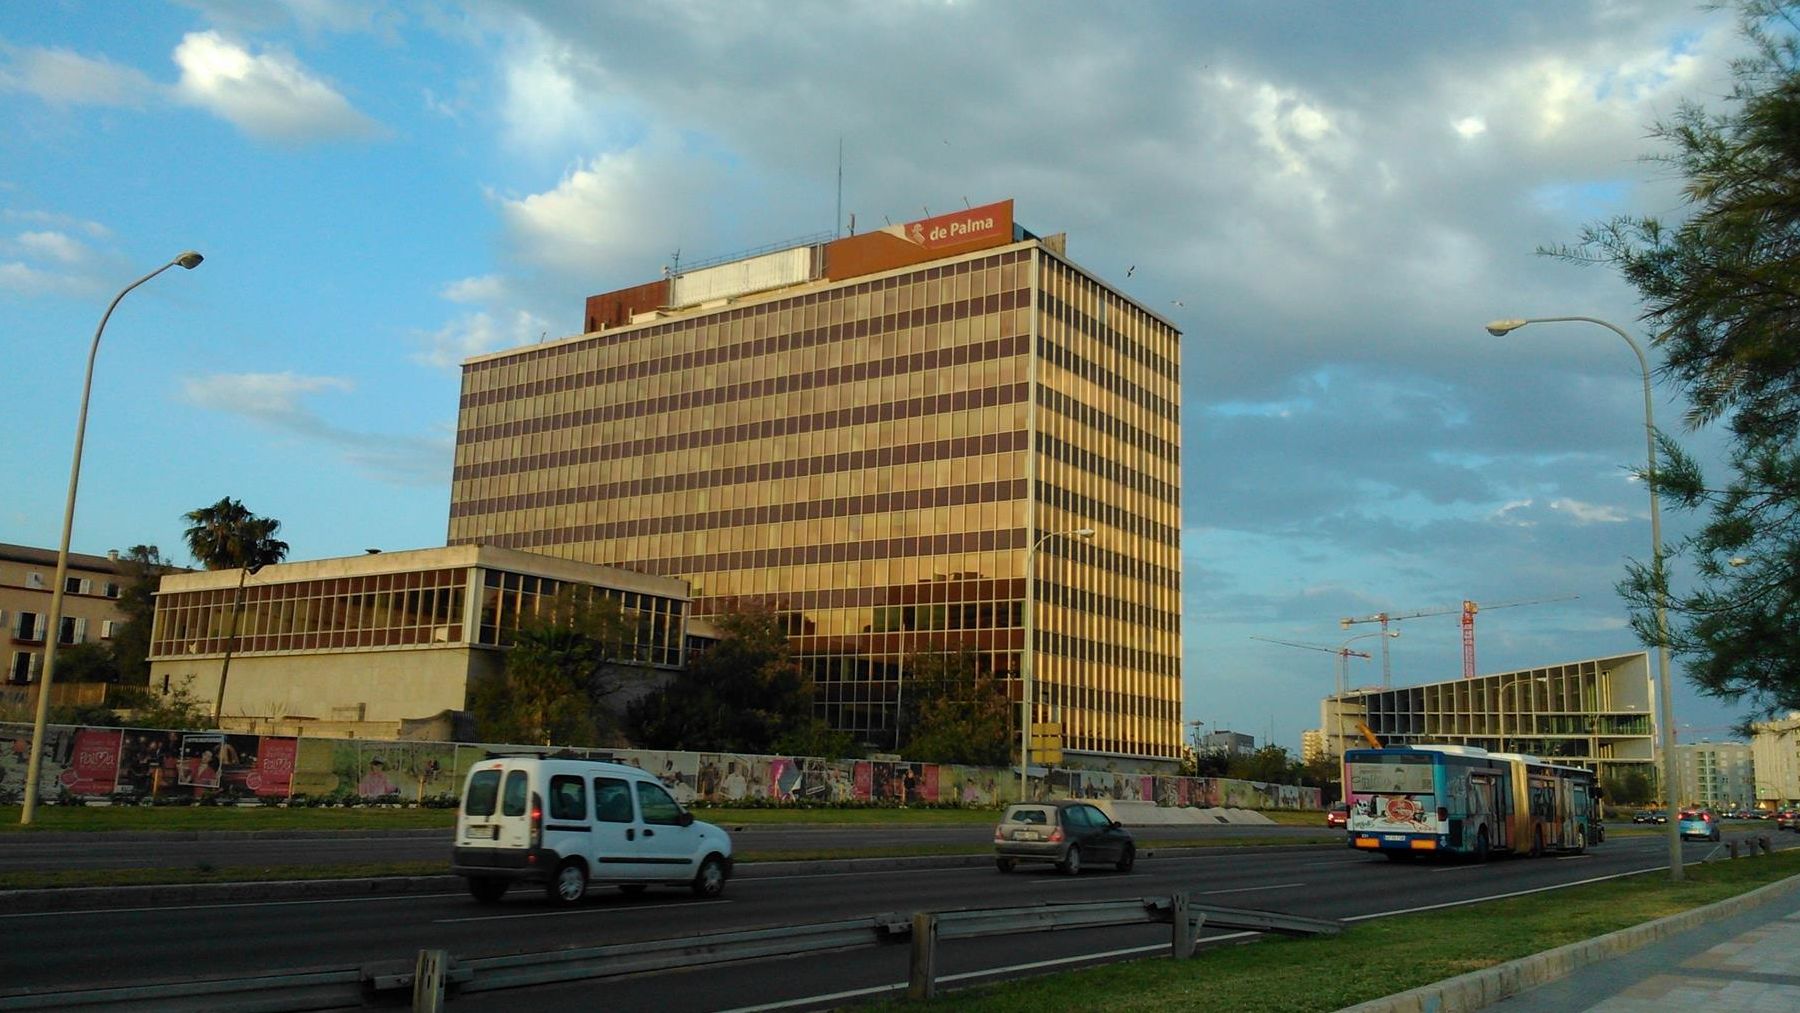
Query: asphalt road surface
87	949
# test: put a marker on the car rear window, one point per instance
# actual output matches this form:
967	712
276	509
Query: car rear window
484	790
1036	815
1692	815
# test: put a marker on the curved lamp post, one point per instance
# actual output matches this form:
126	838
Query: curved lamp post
1666	724
188	260
1031	649
1343	653
237	617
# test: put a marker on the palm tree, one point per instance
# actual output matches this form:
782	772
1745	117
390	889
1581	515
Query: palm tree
226	536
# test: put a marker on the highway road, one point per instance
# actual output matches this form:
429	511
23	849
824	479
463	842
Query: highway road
151	851
85	949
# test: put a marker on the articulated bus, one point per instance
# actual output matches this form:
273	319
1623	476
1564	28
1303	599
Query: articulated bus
1407	801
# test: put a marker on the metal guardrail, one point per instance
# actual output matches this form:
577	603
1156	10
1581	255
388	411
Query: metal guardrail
435	976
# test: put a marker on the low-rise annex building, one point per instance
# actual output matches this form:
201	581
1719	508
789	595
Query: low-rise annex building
90	609
382	644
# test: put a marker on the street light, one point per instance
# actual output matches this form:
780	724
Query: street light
1343	653
1031	649
1666	726
237	609
188	260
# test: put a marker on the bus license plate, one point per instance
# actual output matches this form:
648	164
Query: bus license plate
1393	837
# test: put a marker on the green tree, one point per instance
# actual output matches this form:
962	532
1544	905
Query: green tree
560	668
955	711
1722	288
143	569
226	536
1269	764
744	694
86	662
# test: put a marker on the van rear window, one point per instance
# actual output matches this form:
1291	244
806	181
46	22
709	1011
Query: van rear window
517	788
484	791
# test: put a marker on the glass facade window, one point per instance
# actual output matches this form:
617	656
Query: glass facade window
872	459
389	610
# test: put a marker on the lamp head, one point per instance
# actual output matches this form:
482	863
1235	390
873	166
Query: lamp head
189	259
1501	328
1083	532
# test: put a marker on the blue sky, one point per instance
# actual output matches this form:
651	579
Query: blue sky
1329	202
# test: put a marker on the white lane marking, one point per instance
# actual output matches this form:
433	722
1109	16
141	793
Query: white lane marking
1249	889
571	911
1502	896
110	911
966	975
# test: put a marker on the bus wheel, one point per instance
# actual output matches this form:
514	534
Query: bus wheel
1537	843
1581	840
1481	845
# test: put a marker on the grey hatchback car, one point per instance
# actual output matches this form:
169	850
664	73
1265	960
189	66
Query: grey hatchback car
1071	834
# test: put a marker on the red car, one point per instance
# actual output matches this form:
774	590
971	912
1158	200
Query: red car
1337	815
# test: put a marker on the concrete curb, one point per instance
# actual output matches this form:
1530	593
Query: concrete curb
1480	989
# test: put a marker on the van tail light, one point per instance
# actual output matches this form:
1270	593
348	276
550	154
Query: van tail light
1057	834
537	821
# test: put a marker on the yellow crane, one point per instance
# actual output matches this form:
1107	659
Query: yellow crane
1467	610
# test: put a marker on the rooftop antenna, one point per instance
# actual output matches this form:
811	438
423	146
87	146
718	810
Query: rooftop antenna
853	223
676	270
966	204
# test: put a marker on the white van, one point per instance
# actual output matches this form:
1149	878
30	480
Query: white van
568	823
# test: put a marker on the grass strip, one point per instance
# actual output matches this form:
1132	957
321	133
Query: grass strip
1380	957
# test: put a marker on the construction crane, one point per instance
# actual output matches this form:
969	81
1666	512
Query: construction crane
1344	655
1467	610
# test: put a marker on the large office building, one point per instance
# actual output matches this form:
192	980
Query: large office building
891	440
1594	713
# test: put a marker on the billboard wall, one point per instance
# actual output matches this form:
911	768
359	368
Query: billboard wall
131	764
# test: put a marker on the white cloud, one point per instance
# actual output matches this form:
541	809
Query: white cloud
277	401
1469	127
68	78
270	96
94	229
54	246
486	288
1589	513
623	209
476	333
269	397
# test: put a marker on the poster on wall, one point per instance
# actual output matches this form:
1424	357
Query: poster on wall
93	766
201	760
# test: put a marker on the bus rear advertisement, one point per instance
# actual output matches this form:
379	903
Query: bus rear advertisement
1407	801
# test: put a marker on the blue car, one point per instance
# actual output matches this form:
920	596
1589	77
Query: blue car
1699	823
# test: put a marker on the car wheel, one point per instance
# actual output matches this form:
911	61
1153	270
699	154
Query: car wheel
1071	863
1127	858
487	891
569	884
1006	864
710	880
633	889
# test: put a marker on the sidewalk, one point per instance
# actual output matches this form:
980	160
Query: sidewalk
1740	955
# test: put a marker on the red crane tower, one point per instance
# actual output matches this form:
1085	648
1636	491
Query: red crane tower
1467	610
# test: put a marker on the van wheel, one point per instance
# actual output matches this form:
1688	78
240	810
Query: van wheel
487	891
569	884
710	880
